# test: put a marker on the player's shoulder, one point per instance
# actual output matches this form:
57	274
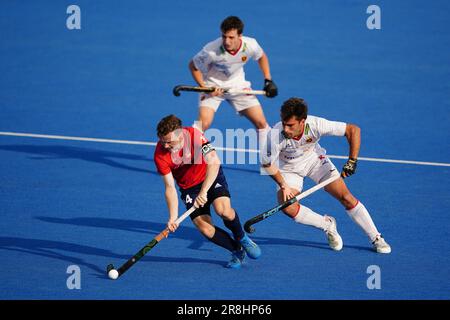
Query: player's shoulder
314	120
195	134
249	39
277	132
277	126
192	131
160	153
317	119
250	42
213	46
321	125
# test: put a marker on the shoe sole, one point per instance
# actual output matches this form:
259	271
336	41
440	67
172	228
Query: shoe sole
254	257
384	251
339	247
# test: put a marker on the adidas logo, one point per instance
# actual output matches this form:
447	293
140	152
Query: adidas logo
218	185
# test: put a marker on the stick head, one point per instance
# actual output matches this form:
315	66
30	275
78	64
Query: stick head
248	228
176	91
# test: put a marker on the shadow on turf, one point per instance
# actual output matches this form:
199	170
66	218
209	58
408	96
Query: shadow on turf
85	154
52	249
145	227
183	232
97	156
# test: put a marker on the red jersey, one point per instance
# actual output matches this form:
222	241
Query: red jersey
187	165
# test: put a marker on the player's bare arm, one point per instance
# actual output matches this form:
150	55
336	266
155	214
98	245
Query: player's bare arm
269	86
198	77
263	63
196	74
353	135
172	201
212	169
275	174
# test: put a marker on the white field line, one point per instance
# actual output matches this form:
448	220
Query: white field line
46	136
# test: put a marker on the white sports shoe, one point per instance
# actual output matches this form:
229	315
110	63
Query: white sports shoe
334	239
380	245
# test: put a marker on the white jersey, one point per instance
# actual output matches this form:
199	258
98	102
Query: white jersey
296	154
223	69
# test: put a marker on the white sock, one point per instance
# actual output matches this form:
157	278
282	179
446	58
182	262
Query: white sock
306	216
361	217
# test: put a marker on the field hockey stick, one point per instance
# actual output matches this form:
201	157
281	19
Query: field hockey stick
114	274
179	88
266	214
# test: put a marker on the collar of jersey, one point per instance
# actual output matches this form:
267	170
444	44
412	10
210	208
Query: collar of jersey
233	54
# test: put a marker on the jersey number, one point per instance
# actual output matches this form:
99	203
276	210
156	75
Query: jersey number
188	199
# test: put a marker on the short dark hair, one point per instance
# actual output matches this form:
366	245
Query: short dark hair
294	107
168	124
230	23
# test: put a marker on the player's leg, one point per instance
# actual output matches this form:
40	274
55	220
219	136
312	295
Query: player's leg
201	218
213	233
304	215
205	118
208	106
222	206
256	116
221	238
220	197
358	213
249	107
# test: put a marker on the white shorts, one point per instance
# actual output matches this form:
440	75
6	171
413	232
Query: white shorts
320	169
238	101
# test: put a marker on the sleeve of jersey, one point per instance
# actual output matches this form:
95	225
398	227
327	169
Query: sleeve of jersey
162	166
330	128
270	149
202	142
202	60
257	51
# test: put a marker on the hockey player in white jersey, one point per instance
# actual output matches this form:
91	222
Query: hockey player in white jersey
220	64
294	143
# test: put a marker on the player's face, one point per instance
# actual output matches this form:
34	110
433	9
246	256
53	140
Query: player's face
173	141
293	128
231	40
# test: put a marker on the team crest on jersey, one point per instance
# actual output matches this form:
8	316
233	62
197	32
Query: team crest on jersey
244	58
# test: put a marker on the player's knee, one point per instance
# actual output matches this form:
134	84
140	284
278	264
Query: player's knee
205	125
292	210
348	200
261	124
225	212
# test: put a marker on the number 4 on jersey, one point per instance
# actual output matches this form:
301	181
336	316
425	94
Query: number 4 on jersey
188	199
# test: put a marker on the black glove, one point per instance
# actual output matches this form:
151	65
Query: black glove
270	88
349	168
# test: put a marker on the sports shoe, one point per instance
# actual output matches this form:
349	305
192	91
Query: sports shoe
252	249
380	245
334	239
237	258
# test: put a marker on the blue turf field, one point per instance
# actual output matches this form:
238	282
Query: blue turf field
88	204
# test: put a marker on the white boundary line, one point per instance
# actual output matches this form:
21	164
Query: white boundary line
46	136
